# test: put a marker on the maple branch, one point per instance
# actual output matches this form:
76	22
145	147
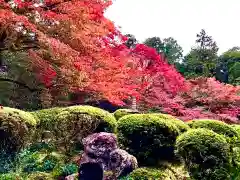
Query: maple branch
19	83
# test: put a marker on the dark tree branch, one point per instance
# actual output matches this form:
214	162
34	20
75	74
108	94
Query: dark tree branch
19	49
19	83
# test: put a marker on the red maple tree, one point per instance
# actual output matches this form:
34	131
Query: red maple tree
71	45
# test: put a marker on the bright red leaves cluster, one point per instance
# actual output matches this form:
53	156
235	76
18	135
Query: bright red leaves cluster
76	41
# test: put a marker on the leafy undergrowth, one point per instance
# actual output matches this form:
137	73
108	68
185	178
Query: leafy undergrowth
43	161
39	160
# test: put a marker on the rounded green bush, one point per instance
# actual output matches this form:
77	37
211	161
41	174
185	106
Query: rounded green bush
237	128
236	161
205	153
47	121
77	122
47	117
123	112
16	129
148	174
217	126
179	123
147	137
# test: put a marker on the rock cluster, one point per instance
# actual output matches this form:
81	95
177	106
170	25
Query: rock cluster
102	149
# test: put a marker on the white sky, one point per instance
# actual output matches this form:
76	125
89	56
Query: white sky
180	19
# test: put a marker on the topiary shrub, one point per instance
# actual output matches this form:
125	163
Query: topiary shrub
237	128
16	129
217	126
205	153
236	153
147	137
47	122
47	117
76	122
123	112
183	127
148	174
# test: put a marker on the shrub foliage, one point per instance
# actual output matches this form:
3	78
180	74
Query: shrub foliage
206	154
123	112
15	129
76	122
147	137
177	122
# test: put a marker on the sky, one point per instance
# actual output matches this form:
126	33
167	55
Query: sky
180	19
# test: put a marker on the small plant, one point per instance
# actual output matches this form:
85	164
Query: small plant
10	176
65	170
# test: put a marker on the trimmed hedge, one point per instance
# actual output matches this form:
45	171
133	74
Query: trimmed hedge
236	153
16	129
47	122
76	122
47	117
123	112
214	125
237	128
183	127
147	137
206	154
217	126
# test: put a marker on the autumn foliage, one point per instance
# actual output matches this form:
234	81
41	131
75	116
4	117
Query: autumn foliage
72	47
203	98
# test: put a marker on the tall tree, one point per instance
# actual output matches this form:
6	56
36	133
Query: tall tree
173	50
204	53
156	43
167	47
230	60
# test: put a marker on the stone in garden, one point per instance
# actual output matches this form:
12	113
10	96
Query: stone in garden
102	149
122	163
97	148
